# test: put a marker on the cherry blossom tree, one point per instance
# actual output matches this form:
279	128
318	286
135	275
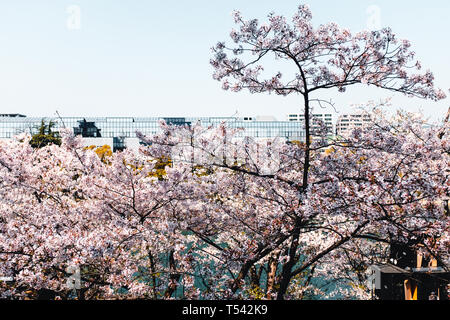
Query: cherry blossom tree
220	221
364	192
202	213
325	57
67	206
322	58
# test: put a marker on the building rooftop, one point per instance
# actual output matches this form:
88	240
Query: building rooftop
12	115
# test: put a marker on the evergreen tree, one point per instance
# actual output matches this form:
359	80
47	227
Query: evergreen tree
45	135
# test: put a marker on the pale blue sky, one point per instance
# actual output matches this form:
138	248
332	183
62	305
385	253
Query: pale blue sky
151	58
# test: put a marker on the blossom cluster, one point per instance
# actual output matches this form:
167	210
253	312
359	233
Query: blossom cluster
323	57
225	217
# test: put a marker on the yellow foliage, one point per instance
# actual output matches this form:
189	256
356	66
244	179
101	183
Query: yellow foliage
362	160
256	293
330	151
201	171
160	167
159	170
103	152
298	143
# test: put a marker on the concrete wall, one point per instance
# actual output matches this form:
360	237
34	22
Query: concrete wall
98	142
132	143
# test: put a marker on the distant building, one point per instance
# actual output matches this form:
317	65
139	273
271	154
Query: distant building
120	132
346	123
87	129
325	118
259	118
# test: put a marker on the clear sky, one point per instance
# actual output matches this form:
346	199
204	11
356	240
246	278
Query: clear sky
151	57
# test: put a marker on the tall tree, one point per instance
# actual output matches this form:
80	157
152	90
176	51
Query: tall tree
320	58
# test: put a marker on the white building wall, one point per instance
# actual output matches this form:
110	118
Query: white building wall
132	144
327	118
98	142
346	123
